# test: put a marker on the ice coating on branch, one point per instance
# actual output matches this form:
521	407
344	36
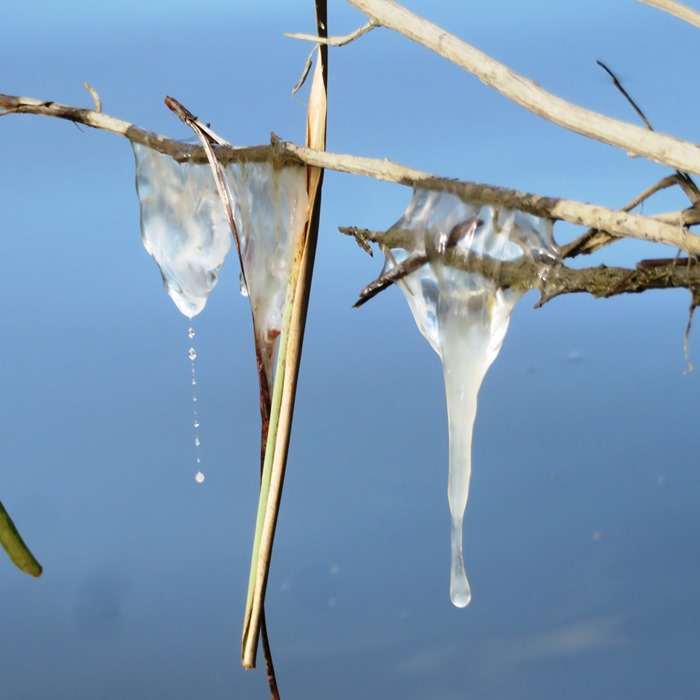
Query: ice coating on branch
464	316
271	205
184	228
183	225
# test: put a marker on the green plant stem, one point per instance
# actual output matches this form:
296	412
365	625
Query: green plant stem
15	547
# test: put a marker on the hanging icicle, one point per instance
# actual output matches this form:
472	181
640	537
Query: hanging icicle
183	226
464	316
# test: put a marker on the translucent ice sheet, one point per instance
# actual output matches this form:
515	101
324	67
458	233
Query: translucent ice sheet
270	209
464	316
183	225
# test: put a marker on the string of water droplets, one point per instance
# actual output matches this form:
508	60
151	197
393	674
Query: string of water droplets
192	354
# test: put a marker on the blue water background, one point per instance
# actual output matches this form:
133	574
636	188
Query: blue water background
582	531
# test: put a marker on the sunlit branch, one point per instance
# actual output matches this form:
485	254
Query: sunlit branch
661	148
590	215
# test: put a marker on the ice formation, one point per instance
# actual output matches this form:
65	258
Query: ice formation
183	226
270	209
464	316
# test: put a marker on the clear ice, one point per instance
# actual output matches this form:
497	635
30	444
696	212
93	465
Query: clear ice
184	228
464	316
271	205
183	225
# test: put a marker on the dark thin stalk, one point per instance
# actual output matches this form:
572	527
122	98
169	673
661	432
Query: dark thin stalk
626	95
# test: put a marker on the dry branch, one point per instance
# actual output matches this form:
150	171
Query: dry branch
670	231
661	148
552	279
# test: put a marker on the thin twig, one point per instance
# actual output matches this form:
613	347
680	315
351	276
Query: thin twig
396	274
327	41
626	95
464	229
336	40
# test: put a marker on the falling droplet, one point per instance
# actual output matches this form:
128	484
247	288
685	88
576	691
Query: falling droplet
192	354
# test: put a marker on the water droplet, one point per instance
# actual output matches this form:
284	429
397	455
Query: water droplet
244	287
199	477
192	354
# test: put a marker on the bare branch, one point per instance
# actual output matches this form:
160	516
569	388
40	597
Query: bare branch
551	279
336	40
661	148
590	215
675	9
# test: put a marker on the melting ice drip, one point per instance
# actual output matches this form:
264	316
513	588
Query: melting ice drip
192	354
184	228
464	316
